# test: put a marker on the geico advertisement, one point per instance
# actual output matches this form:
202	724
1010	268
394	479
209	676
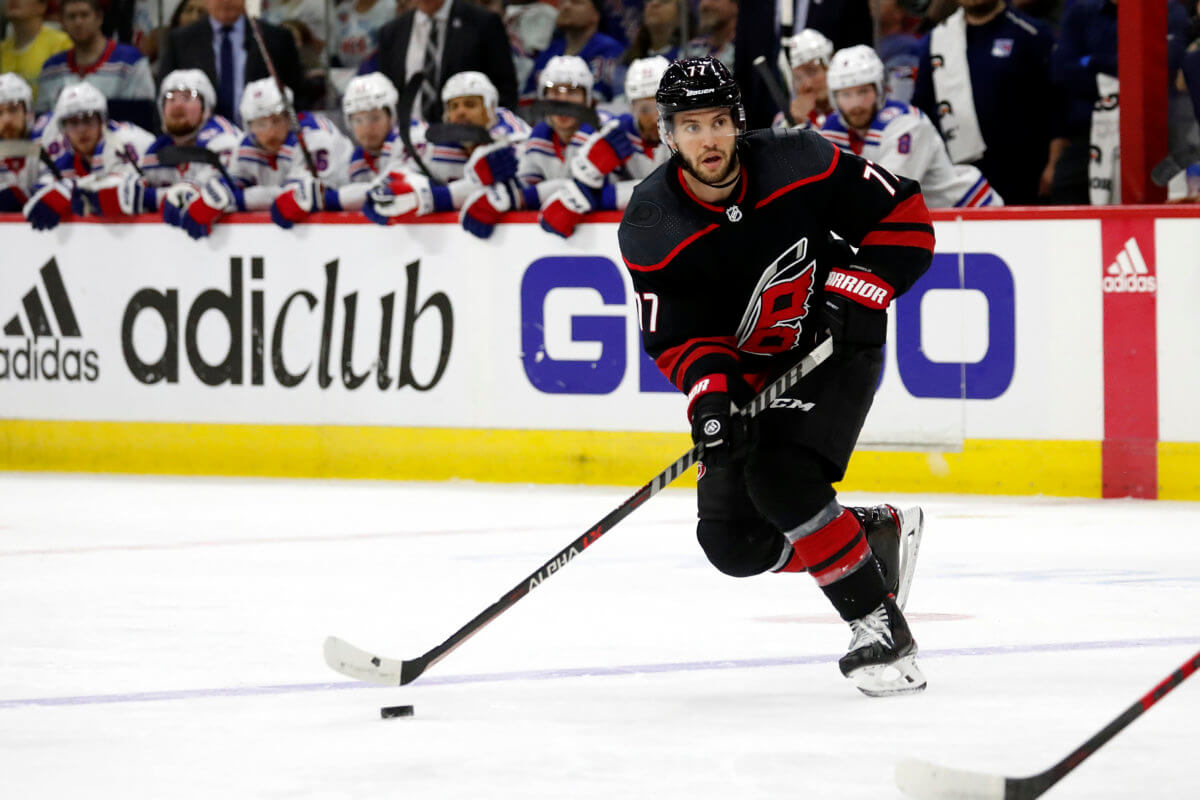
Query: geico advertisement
425	326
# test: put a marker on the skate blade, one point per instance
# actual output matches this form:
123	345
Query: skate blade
912	525
902	676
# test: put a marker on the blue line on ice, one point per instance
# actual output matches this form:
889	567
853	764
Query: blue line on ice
583	672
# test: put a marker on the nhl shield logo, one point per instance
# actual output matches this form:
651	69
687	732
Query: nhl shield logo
734	213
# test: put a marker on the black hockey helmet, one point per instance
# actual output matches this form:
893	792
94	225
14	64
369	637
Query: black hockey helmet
693	83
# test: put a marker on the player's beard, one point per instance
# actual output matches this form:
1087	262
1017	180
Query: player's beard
12	130
179	128
731	164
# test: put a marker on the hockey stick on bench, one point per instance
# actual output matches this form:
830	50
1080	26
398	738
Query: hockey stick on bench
922	779
361	665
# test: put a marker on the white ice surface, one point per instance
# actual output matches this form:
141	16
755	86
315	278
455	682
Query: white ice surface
162	638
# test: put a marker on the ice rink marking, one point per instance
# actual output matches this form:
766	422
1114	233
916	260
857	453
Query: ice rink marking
585	672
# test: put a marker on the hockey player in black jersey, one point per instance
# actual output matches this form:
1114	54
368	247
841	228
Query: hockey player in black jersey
737	277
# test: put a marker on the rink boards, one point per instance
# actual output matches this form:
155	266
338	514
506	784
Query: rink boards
1051	352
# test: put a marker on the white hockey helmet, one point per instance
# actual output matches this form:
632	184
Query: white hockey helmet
80	99
856	66
643	76
368	92
14	89
261	98
470	83
192	80
807	46
566	71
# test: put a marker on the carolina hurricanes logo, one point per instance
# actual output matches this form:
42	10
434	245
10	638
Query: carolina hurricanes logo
778	307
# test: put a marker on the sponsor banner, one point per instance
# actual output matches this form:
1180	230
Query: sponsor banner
1129	285
422	326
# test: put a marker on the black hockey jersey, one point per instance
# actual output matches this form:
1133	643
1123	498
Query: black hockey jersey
737	289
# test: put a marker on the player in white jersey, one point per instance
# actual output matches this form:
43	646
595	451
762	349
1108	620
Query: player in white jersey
896	135
807	56
17	173
96	146
544	160
615	158
369	108
186	100
268	155
460	169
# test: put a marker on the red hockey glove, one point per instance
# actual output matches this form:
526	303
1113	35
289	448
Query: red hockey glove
49	205
490	164
483	209
602	153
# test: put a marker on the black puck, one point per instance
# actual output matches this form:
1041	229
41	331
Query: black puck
396	711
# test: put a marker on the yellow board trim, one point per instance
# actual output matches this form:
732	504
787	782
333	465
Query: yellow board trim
989	466
1179	471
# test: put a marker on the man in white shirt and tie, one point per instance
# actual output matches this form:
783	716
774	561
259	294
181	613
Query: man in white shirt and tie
440	38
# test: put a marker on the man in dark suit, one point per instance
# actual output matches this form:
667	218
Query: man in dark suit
464	37
844	22
223	46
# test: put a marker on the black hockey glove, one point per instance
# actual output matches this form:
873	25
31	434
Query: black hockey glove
855	308
715	425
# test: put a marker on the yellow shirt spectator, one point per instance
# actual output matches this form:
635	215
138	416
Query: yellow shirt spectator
28	61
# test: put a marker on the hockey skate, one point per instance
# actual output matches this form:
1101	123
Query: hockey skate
882	659
895	538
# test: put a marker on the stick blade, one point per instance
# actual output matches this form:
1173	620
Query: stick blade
926	781
354	662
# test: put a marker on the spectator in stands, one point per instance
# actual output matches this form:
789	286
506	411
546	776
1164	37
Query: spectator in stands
531	26
151	41
17	173
659	34
119	71
1087	48
356	29
845	22
440	38
30	42
579	35
899	47
983	80
223	46
718	24
309	12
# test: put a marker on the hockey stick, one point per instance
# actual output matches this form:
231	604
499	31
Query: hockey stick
764	72
24	148
252	18
448	133
172	155
361	665
404	107
561	108
922	779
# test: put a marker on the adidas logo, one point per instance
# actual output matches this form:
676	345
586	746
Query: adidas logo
32	360
1129	272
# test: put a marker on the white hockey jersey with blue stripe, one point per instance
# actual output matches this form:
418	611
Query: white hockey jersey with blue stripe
902	140
261	174
217	134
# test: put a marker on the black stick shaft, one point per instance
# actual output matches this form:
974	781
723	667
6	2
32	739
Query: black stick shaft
764	72
295	120
410	670
1036	785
